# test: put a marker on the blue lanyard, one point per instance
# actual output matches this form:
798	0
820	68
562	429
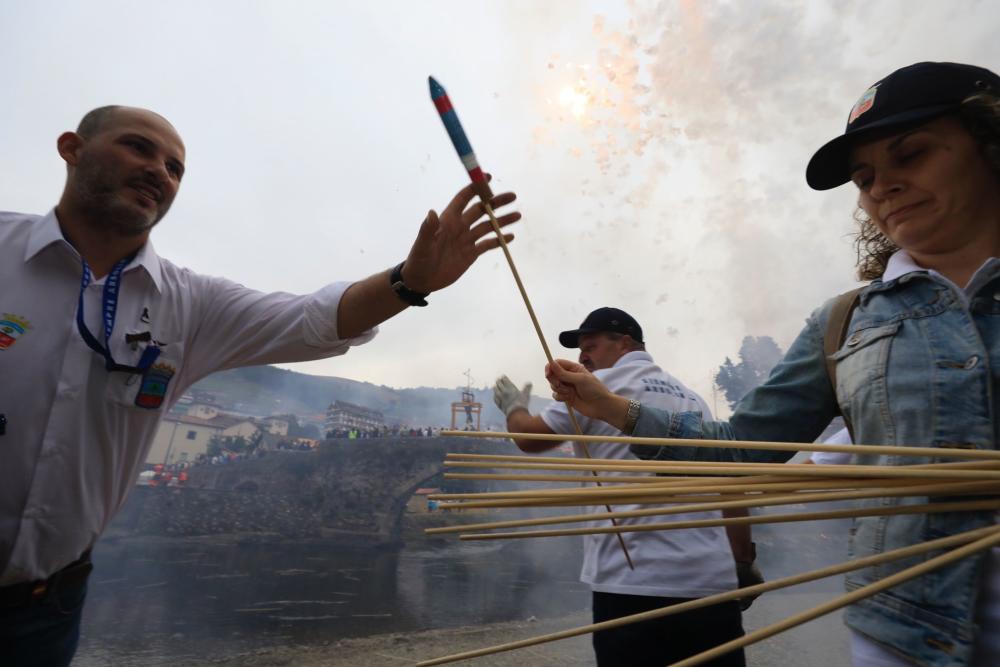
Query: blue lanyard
109	308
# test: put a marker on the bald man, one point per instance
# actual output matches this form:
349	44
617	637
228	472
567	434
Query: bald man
99	336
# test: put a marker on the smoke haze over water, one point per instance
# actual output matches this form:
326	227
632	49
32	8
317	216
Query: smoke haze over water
658	149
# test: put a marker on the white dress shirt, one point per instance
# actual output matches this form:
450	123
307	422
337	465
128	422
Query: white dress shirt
689	563
77	434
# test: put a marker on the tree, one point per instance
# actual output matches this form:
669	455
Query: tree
238	443
215	445
758	355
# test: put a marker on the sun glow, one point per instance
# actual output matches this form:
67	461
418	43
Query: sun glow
574	100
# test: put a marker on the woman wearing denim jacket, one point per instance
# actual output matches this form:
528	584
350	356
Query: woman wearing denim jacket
920	364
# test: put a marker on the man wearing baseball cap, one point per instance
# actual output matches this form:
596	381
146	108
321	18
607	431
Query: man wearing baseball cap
669	566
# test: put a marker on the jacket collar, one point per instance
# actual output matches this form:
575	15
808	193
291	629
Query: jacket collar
901	268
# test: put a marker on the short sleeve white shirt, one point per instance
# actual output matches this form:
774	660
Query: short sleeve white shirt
687	563
77	434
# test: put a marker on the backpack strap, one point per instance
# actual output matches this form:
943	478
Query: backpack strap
833	338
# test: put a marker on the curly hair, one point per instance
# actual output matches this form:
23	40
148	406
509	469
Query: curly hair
980	115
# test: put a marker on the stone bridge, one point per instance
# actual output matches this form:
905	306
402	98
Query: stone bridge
353	489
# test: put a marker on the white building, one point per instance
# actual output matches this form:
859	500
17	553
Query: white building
274	425
182	438
344	416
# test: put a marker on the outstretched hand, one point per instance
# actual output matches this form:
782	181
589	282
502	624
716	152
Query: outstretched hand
577	387
508	397
447	245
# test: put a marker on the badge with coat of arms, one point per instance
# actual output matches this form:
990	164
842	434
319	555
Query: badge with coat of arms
12	327
153	390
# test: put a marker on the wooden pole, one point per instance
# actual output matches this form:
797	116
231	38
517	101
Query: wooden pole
532	458
981	534
541	338
700	485
849	598
737	469
939	489
892	450
927	508
576	479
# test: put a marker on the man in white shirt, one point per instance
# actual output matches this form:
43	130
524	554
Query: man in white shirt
99	337
670	566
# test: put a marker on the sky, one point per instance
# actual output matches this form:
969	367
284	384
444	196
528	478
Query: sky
658	151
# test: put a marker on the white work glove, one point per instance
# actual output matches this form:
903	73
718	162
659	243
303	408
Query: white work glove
508	397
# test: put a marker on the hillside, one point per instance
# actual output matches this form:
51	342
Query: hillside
266	390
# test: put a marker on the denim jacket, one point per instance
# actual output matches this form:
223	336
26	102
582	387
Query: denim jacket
920	365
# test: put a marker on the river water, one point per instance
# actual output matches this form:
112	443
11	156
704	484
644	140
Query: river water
159	601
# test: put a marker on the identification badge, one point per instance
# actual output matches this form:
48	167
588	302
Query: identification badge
153	389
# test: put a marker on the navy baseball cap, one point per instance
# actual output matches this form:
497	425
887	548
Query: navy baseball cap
910	95
611	320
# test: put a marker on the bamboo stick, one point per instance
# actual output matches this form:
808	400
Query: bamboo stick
844	600
942	489
576	479
661	505
736	469
981	534
927	508
534	458
541	339
708	486
724	485
593	502
892	450
958	489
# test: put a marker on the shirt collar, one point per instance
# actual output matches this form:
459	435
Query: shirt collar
900	263
47	232
149	260
630	357
44	233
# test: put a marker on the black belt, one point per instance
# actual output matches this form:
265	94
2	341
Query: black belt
28	592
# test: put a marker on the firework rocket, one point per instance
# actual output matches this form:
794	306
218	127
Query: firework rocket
458	139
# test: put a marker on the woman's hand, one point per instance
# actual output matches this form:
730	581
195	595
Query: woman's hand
575	386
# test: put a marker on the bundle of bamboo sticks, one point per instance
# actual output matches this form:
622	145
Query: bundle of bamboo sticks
678	487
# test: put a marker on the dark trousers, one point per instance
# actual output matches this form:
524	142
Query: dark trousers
40	623
664	641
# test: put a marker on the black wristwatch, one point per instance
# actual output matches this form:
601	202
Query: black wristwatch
405	294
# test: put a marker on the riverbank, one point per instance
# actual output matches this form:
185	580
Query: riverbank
393	650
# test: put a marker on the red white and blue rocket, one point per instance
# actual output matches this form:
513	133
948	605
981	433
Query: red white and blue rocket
458	139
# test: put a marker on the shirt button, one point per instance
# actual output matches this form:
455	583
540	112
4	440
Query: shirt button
854	339
971	362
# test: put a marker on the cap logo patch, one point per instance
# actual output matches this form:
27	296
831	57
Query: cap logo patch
866	102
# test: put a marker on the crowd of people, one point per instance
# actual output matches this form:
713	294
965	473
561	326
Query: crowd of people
384	432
